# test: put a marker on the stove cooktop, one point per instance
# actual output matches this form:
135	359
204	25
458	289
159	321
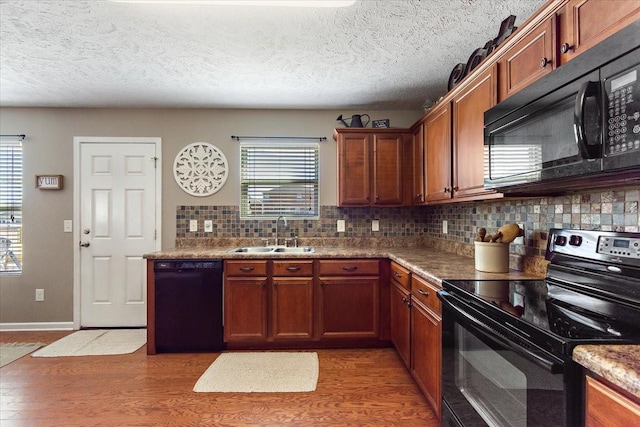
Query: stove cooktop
552	316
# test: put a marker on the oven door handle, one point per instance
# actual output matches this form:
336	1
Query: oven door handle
547	362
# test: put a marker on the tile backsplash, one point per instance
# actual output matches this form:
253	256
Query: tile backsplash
614	209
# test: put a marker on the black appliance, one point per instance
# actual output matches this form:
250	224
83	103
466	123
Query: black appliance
188	305
580	120
507	344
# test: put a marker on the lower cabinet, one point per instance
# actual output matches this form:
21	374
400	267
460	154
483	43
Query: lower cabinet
416	331
301	301
607	407
349	299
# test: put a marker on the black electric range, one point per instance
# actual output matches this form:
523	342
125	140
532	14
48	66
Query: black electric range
591	293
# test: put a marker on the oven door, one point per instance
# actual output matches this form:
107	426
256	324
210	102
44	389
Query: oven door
488	378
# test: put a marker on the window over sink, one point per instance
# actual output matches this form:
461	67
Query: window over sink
279	179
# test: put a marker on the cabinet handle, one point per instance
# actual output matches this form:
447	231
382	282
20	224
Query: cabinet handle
293	268
421	292
455	188
446	189
350	268
246	269
544	62
378	197
565	47
397	274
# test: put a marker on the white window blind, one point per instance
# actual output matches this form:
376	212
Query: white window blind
10	205
279	180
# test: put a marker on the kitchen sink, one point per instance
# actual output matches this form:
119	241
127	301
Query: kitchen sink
274	249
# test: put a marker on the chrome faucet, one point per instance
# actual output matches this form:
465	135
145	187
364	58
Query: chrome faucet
285	224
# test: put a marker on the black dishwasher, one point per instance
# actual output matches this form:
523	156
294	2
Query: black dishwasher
188	305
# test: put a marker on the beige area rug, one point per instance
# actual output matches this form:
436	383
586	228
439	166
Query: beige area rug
96	342
261	372
14	351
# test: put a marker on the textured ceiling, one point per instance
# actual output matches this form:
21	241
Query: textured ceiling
376	54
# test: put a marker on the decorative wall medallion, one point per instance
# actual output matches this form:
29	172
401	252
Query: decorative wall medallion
200	169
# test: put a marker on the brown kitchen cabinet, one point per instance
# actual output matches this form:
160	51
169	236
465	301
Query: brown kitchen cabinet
607	407
370	166
529	59
438	153
585	23
426	333
401	312
245	301
469	106
349	299
292	300
418	165
268	300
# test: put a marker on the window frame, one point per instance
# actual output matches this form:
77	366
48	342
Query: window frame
12	202
312	147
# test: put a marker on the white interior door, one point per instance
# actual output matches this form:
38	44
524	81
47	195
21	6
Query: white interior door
117	191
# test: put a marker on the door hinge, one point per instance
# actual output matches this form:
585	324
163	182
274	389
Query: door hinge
155	161
155	234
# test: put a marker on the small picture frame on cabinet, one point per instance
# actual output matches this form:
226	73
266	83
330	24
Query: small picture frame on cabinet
380	123
49	182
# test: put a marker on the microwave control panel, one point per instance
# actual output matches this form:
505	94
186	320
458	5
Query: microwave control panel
622	129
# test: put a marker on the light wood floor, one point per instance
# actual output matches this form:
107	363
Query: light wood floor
364	387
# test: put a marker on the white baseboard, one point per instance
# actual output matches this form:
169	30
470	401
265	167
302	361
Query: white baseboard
37	326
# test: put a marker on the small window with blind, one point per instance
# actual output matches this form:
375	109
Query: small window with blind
278	179
10	206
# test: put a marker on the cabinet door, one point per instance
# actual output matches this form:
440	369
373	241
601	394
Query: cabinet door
468	133
388	169
349	307
401	321
438	153
585	23
607	407
354	164
528	60
426	353
292	310
418	172
245	309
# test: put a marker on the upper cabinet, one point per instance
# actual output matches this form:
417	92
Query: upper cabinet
469	106
529	59
371	171
438	153
454	142
585	23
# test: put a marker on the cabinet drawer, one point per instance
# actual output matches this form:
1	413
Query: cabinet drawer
245	268
425	292
354	267
401	275
293	268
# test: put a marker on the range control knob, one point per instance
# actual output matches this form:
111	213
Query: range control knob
575	240
560	240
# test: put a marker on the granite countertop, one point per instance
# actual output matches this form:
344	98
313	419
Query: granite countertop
619	364
431	264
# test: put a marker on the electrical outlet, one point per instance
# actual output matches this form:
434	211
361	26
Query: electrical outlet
39	294
193	225
445	227
341	226
68	226
208	226
375	225
519	240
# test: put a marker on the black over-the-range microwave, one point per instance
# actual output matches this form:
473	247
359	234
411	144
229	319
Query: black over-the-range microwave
581	120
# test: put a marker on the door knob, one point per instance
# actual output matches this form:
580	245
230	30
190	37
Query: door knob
84	244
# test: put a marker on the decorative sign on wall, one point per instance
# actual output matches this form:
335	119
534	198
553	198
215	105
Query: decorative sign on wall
461	70
49	182
384	123
200	169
